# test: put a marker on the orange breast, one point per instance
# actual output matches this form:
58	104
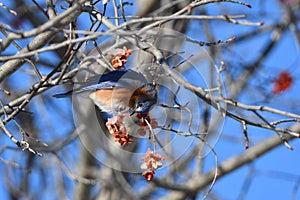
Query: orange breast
112	100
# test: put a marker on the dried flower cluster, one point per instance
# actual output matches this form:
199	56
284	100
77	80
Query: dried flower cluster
120	58
121	134
118	130
152	162
144	125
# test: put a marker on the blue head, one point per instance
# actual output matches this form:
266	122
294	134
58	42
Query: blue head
143	99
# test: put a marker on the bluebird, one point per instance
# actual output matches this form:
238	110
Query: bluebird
120	91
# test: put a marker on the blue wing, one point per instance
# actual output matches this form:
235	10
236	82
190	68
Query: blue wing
114	76
109	80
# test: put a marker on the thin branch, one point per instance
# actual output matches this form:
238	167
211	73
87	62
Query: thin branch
273	127
216	168
8	9
211	43
258	108
182	133
73	176
40	8
23	144
245	132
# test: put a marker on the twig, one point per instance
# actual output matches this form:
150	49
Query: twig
273	127
211	43
23	144
258	108
182	62
245	134
247	23
284	121
203	2
152	134
216	168
40	8
9	10
181	133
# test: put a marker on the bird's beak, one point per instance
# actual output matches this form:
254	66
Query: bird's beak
132	113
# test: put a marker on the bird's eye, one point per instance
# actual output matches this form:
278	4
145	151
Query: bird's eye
140	105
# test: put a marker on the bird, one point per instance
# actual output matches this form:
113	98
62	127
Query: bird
120	91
